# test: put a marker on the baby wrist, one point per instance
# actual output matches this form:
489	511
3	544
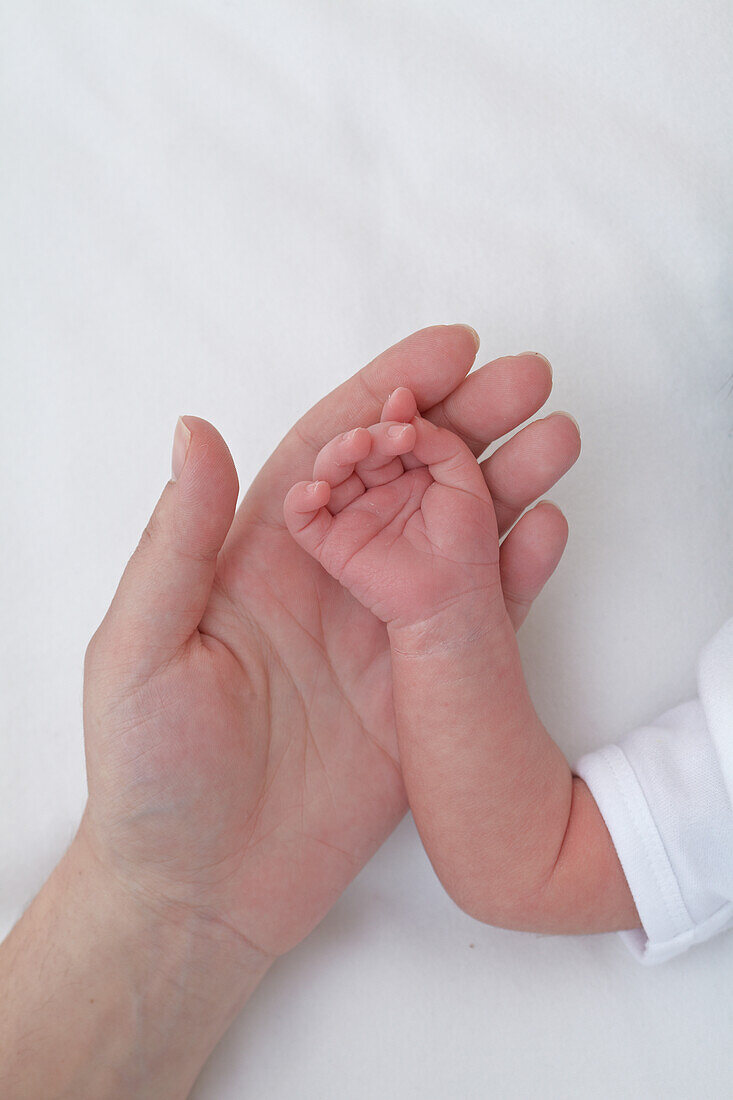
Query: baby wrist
463	624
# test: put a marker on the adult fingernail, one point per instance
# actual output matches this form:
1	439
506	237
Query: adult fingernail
568	416
181	440
476	337
537	355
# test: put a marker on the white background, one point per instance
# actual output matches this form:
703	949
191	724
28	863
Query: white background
227	208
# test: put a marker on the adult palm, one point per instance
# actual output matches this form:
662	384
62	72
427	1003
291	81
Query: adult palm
239	727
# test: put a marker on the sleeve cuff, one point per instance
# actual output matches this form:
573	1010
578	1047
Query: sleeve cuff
668	928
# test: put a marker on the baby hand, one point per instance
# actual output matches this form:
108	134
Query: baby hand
400	514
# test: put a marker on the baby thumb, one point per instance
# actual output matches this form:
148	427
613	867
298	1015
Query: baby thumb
164	590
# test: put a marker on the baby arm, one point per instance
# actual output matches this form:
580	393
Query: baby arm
401	515
515	838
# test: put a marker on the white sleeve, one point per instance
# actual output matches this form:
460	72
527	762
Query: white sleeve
664	794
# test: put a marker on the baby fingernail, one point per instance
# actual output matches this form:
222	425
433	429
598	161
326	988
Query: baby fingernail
396	430
181	440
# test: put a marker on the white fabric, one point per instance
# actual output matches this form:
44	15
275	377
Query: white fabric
665	795
224	207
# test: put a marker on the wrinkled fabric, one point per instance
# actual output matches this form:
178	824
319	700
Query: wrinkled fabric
665	794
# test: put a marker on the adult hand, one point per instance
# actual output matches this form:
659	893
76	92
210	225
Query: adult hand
238	707
239	728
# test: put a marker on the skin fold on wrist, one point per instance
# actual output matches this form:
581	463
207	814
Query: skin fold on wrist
474	618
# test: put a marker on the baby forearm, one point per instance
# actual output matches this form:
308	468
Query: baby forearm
489	791
587	890
516	840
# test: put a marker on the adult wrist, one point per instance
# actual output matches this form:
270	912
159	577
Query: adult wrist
107	996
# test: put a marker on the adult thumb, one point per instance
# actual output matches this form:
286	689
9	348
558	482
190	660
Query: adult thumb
165	587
